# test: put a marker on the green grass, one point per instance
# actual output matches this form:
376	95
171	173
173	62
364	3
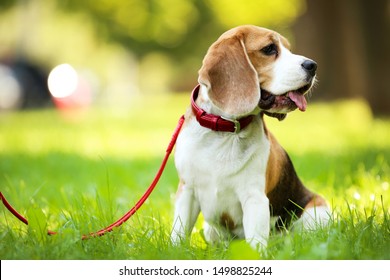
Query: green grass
78	174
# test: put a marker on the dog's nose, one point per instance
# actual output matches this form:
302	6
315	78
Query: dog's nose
310	67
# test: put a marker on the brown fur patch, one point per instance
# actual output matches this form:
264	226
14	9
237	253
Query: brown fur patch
285	42
230	77
275	164
317	200
227	221
286	193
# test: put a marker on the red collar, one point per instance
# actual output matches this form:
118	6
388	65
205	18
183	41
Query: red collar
217	123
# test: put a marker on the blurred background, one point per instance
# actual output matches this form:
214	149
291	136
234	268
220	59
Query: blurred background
74	54
91	90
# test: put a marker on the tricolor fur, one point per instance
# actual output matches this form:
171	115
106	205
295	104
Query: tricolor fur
239	180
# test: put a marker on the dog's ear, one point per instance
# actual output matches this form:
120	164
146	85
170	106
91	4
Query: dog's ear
230	77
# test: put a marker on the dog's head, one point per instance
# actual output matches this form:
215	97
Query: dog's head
250	67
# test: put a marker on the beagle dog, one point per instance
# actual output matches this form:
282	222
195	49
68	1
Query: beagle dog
231	168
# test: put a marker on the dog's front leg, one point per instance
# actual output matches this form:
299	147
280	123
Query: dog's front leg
256	220
187	210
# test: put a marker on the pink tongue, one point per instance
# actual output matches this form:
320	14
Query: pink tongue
299	100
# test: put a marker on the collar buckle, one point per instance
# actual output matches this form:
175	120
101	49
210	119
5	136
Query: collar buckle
237	124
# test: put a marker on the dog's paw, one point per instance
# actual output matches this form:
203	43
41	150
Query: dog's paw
314	218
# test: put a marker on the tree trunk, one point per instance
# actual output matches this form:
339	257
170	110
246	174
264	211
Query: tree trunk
349	39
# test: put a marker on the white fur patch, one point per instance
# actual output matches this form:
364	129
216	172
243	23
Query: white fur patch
288	73
223	174
314	218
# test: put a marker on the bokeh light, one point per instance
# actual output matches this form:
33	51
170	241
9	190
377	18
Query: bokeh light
11	95
62	81
69	89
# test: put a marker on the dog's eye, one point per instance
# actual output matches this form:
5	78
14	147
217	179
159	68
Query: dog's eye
271	49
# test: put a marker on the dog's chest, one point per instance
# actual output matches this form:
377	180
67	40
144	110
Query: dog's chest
222	168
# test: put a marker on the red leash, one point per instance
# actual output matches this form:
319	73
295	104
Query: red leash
132	211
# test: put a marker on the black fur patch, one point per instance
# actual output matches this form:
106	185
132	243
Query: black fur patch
289	197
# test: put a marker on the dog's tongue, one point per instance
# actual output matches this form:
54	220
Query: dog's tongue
299	100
